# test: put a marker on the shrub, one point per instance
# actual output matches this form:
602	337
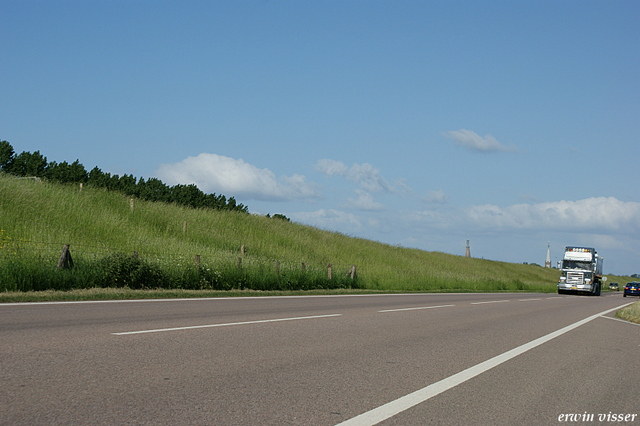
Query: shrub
123	270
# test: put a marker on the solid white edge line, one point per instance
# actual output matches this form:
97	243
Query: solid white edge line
621	320
224	298
492	301
415	309
392	408
158	330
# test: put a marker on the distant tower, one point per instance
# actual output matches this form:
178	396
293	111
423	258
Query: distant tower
467	252
547	263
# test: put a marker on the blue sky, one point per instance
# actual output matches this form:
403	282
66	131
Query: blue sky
421	124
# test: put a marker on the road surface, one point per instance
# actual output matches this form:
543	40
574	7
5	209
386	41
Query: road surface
419	359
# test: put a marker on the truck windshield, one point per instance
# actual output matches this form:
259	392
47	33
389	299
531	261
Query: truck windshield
572	264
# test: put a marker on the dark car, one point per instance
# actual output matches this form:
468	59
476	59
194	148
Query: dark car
632	289
614	286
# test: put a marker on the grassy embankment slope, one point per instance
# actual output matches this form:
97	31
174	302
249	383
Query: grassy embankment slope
37	218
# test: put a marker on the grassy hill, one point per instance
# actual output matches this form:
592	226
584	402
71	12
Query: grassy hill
38	218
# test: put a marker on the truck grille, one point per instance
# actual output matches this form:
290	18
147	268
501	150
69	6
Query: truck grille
575	277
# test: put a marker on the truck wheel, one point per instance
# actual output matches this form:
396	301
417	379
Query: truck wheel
598	289
594	292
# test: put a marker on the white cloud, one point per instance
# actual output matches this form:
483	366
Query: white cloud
436	197
331	167
401	185
369	178
473	141
327	219
364	201
441	220
601	241
365	175
231	177
591	214
514	233
608	221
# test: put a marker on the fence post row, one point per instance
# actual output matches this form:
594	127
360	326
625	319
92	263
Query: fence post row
66	261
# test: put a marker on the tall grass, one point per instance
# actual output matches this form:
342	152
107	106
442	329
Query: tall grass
630	313
38	218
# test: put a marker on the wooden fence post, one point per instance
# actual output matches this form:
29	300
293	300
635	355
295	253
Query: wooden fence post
353	272
65	261
242	249
278	268
80	186
329	269
197	260
184	227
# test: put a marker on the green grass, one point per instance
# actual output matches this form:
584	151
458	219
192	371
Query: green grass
130	294
630	313
38	218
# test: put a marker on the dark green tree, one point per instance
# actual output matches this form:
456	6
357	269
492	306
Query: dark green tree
127	184
98	178
214	201
28	164
66	173
77	173
155	190
57	171
34	164
187	195
6	155
113	182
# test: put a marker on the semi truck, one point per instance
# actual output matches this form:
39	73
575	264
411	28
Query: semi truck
581	271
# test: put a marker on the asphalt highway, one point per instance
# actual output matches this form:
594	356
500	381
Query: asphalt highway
419	359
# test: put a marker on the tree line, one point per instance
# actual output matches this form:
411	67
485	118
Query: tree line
28	164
